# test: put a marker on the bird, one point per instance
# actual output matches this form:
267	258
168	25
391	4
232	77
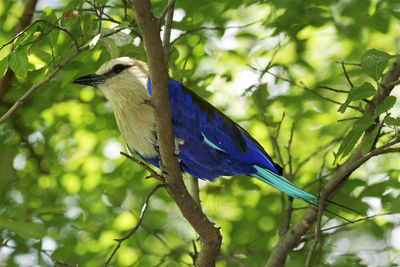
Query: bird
208	143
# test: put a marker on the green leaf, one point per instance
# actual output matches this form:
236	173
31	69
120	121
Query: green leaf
51	17
18	62
122	39
354	135
94	41
23	229
368	144
373	63
348	143
358	93
392	121
111	47
3	67
363	123
385	106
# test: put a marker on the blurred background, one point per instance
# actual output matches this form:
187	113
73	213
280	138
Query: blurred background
66	192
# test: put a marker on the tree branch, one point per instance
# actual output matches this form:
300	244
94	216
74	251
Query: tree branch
289	240
33	89
144	166
136	227
167	29
209	235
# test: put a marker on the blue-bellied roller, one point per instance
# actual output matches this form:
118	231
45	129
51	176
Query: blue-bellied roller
210	144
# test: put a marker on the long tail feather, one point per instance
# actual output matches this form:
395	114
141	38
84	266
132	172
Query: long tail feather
284	185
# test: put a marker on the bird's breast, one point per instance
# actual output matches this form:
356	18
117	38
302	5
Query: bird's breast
136	122
139	133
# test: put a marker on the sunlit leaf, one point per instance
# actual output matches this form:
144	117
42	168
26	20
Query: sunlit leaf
386	105
368	145
23	229
18	62
358	93
373	62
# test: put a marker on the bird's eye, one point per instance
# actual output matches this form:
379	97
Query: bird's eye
119	68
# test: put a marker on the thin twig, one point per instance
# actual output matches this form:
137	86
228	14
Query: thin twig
33	89
215	29
167	30
153	173
321	205
312	91
194	190
170	6
348	119
349	63
347	76
332	89
136	227
312	155
62	263
47	23
290	177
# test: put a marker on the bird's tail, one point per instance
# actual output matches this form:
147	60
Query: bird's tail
284	185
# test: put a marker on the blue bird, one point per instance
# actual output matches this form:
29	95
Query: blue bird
209	143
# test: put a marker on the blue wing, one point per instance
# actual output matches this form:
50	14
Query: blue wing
211	139
213	145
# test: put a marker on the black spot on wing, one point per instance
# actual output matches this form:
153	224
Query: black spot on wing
211	111
258	145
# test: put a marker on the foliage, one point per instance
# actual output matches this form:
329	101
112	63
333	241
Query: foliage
66	193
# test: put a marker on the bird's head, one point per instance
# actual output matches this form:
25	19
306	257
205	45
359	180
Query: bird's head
118	78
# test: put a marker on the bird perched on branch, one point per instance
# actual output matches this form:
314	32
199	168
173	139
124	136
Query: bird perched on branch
209	144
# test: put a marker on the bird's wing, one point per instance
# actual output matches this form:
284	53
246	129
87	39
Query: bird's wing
196	119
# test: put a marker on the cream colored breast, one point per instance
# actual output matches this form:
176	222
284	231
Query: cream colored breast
137	126
135	120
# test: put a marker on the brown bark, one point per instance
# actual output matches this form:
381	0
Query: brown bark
209	235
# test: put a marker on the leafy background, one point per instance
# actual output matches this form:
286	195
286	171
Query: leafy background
66	193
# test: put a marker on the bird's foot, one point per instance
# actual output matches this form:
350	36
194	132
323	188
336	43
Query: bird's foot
146	102
178	142
162	169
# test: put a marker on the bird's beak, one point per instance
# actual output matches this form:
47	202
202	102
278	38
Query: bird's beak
91	80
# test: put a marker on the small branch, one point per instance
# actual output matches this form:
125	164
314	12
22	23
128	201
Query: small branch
348	63
318	237
291	238
312	155
47	23
312	91
136	227
167	30
356	221
144	166
393	84
349	119
166	10
216	29
63	264
194	190
347	76
332	89
33	89
290	177
274	140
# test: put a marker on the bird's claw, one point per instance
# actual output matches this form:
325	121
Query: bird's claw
178	142
162	168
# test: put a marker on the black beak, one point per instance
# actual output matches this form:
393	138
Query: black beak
91	80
